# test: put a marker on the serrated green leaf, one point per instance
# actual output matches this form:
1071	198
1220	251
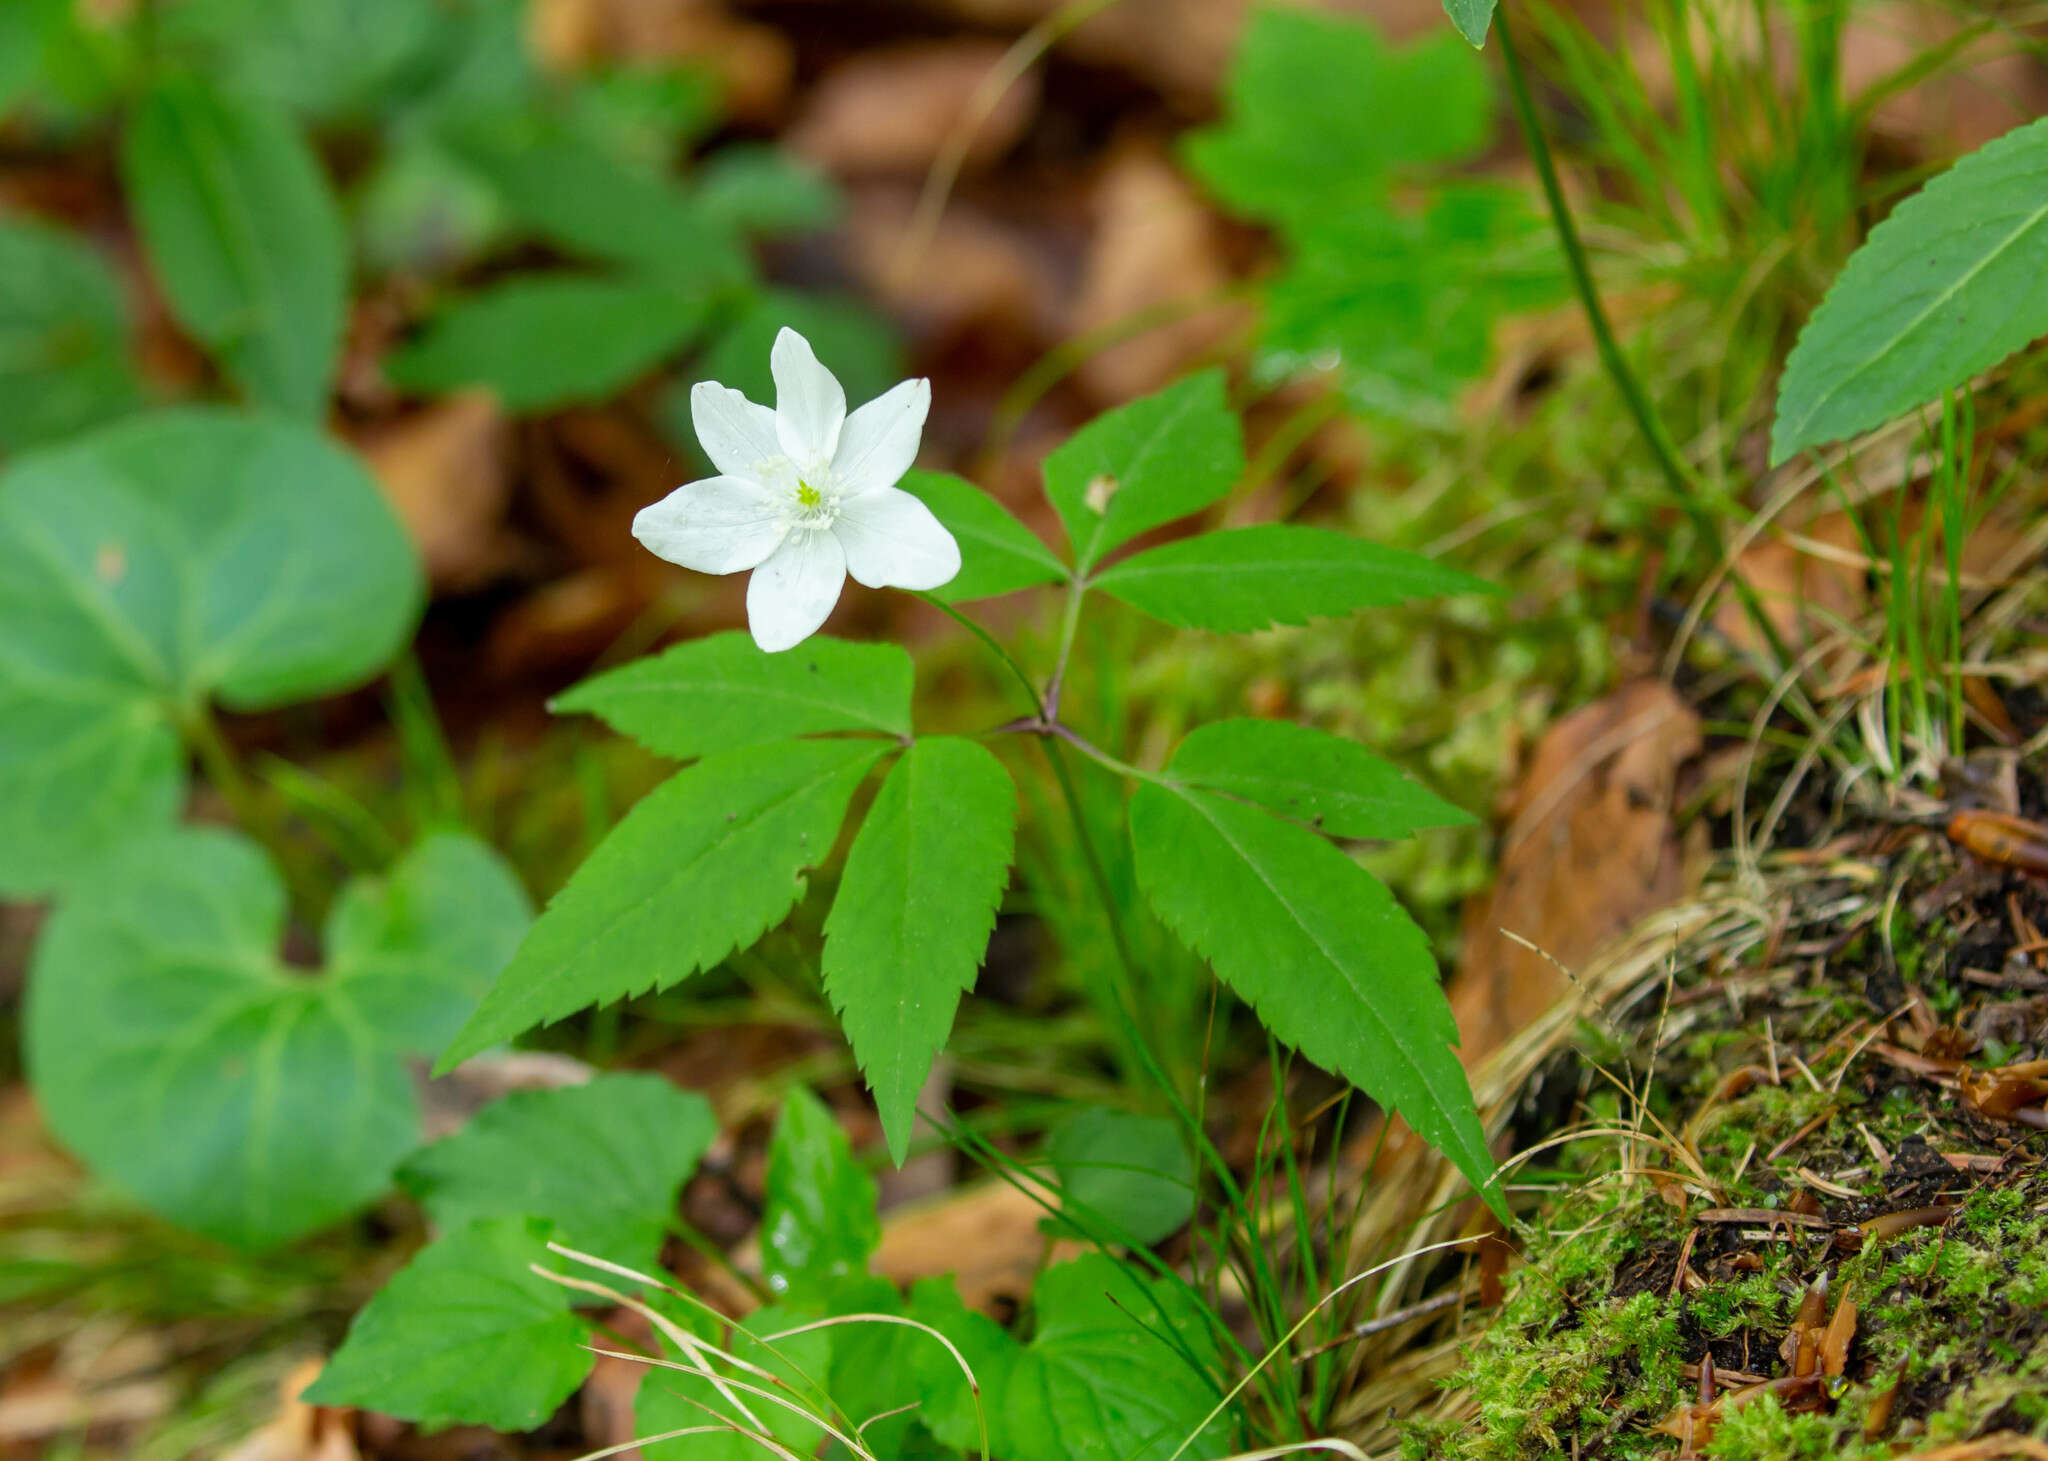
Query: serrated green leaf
700	867
466	1333
1159	458
1319	947
1402	306
673	1399
64	332
541	341
947	1406
910	923
818	1223
1333	784
1320	114
581	197
1120	1369
722	692
172	1049
1128	1176
1955	280
601	1161
1471	17
243	234
998	554
151	566
1243	579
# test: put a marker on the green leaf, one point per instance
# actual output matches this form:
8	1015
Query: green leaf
1319	947
1955	280
420	211
1131	1172
156	564
601	1161
721	693
1157	459
818	1224
547	340
1471	17
172	1048
321	59
910	923
63	337
1243	579
1120	1369
855	343
676	1399
760	188
1402	306
948	1409
1333	784
1320	115
244	236
583	198
701	866
466	1333
998	554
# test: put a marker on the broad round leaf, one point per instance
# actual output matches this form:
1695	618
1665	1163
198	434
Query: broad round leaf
1132	1173
681	1400
171	1047
63	337
171	559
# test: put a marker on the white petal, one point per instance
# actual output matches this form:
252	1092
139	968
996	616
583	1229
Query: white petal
809	405
880	439
736	434
789	595
718	525
893	541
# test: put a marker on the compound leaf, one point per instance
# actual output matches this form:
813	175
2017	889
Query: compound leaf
1319	947
701	866
998	554
722	692
910	922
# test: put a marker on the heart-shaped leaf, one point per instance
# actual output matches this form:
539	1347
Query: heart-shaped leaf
156	564
172	1048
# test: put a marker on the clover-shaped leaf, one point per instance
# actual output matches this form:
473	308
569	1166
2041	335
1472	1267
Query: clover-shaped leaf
170	560
175	1051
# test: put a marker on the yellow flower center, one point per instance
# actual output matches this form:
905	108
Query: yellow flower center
806	494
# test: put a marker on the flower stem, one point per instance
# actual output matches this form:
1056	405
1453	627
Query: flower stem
974	628
223	768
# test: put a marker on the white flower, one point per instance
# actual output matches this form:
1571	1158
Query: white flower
806	495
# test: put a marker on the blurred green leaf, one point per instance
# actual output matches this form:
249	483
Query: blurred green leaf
421	211
1471	17
1403	306
855	344
588	201
326	60
601	1161
674	1399
757	188
154	565
818	1223
244	236
911	919
722	692
1333	965
1320	114
1307	775
1243	579
171	1047
643	114
1130	1172
1163	457
998	554
465	1333
64	336
547	340
701	866
1947	286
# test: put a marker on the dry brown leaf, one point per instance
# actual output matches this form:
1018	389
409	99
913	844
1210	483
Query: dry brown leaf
755	64
971	274
1590	849
895	108
1155	248
446	469
987	1236
300	1432
1806	593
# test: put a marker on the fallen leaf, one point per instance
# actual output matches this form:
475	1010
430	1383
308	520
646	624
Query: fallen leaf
446	469
894	109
